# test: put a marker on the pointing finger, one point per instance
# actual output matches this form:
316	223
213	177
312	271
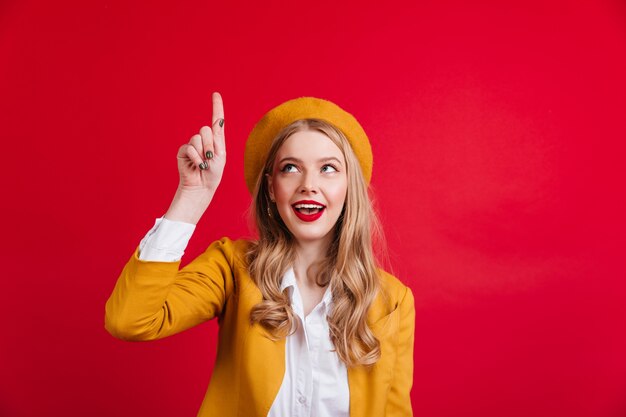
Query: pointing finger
218	108
218	124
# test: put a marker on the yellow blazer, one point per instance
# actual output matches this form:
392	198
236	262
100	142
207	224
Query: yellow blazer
152	300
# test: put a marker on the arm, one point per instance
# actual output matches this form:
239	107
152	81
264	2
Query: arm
152	300
399	397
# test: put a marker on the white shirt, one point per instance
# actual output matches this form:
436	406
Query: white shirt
315	381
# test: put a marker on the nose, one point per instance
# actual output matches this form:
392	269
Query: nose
309	183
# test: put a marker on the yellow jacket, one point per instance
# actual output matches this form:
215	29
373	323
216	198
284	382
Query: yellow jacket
152	300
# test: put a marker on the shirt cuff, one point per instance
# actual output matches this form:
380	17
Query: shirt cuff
166	241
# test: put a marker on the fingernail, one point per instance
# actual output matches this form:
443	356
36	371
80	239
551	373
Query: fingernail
221	122
209	155
203	165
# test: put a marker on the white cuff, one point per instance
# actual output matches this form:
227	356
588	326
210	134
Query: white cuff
166	241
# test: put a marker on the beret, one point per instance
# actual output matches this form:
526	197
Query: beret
266	130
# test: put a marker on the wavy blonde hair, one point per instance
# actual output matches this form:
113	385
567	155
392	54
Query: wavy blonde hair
349	266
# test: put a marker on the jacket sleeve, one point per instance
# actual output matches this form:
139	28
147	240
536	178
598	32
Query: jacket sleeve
152	300
399	397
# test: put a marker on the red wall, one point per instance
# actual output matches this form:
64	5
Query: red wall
499	139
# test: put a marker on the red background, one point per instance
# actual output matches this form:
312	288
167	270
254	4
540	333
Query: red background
498	131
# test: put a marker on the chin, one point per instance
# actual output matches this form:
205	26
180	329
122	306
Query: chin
311	237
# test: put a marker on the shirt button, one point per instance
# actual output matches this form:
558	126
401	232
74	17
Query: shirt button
301	399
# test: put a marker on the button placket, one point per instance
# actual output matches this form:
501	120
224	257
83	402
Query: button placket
312	383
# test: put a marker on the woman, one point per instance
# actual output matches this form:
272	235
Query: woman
308	325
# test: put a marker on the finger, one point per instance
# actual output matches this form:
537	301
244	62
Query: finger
196	143
187	151
206	135
218	109
219	143
218	125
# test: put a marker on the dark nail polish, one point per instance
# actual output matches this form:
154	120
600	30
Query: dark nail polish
203	165
221	122
209	155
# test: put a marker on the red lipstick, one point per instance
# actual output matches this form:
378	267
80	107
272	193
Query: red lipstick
308	217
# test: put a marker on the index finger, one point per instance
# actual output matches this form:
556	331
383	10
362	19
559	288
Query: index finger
218	108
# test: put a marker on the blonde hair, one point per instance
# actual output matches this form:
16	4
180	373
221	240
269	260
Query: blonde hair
349	266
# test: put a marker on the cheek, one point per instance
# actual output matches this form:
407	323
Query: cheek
337	194
282	190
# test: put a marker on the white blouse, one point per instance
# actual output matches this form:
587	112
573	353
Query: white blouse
315	381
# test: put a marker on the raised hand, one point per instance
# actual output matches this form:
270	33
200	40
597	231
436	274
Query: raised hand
201	161
200	168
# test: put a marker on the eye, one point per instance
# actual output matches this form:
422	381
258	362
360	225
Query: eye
289	168
329	168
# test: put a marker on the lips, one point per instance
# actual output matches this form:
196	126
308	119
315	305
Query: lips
308	210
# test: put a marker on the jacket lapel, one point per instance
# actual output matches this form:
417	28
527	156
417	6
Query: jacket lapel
368	386
263	366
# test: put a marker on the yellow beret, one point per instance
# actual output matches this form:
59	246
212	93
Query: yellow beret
264	132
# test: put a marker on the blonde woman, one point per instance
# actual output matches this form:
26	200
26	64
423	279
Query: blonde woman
309	326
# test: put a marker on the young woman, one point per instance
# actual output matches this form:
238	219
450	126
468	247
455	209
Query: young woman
309	326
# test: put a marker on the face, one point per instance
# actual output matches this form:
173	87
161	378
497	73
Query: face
309	184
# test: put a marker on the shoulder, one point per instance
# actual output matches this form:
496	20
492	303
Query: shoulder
393	294
395	289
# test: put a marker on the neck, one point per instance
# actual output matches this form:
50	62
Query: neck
307	256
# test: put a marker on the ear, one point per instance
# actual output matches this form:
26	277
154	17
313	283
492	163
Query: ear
270	186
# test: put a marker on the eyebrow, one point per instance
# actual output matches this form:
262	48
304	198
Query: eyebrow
330	158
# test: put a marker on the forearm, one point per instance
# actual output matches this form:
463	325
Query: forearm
166	241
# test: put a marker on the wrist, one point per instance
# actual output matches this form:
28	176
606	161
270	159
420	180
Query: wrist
188	206
197	195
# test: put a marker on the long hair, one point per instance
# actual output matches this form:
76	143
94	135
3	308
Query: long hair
349	266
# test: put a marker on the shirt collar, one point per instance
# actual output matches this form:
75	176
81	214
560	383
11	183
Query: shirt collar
289	280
